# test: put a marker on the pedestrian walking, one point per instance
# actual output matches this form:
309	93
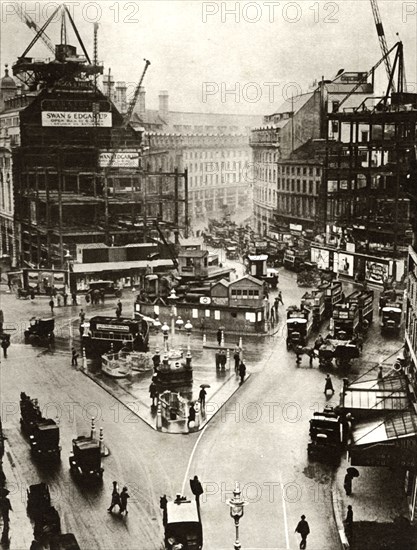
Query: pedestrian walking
115	498
328	385
236	357
74	358
163	502
223	359
349	523
196	489
202	397
153	392
52	305
5	343
124	496
5	508
191	415
58	299
280	300
65	296
319	342
102	296
120	306
303	529
74	299
219	336
347	484
118	313
349	515
81	315
32	294
242	372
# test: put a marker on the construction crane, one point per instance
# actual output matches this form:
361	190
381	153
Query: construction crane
398	58
382	40
170	247
128	115
23	15
119	138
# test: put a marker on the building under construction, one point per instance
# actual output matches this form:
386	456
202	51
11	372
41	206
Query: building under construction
79	175
368	158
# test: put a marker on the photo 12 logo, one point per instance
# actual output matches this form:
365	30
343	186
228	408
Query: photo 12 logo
250	92
91	12
253	12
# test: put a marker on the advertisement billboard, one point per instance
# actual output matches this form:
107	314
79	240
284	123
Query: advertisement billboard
320	257
344	263
376	272
62	119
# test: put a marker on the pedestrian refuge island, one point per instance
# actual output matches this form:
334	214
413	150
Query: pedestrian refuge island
173	408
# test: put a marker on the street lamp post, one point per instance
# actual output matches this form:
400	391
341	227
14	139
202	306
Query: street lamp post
173	300
68	259
188	327
236	505
165	332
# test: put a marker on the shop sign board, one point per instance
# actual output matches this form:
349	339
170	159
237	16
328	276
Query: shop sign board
62	119
122	159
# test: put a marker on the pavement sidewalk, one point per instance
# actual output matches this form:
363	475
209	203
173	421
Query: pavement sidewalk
380	511
20	534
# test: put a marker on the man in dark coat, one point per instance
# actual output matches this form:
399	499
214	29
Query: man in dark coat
219	336
124	495
196	489
191	414
115	498
304	530
236	357
242	371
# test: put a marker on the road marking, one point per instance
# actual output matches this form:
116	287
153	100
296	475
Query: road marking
187	471
284	507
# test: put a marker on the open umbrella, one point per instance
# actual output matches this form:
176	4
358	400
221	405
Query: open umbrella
204	385
353	472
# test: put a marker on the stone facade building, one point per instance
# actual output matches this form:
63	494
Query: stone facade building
288	153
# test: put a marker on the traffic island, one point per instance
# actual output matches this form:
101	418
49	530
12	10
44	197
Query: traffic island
171	414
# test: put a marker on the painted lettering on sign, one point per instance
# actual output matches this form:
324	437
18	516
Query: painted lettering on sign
120	160
71	118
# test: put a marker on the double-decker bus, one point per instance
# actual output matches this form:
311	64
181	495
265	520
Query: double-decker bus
103	334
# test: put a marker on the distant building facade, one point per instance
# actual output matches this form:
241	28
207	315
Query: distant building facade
288	153
213	148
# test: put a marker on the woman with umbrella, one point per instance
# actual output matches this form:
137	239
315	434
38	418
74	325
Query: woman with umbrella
350	474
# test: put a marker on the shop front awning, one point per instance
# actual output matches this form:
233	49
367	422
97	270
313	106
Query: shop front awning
387	441
371	397
120	266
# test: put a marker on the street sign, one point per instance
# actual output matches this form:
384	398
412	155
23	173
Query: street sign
206	300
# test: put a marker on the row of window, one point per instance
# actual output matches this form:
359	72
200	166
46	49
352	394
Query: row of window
213	179
245	294
297	186
213	167
299	170
217	315
214	154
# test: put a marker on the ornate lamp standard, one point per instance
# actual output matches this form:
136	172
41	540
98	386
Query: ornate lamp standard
188	327
236	505
165	332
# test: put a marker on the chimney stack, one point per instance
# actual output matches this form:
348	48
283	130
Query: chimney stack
121	96
108	84
142	101
163	105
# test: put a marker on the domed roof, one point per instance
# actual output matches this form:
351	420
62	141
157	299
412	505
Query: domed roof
7	82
